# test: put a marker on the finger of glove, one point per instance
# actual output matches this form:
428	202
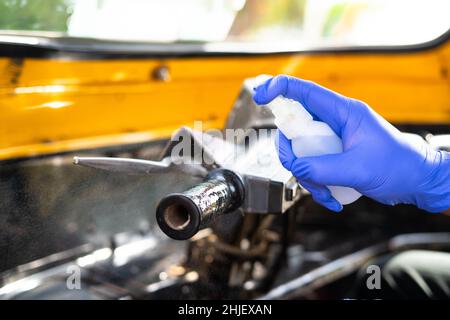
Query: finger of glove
332	169
326	105
284	149
322	195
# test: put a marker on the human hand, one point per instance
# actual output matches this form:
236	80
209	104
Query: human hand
377	159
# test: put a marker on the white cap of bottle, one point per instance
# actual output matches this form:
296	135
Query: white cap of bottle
290	116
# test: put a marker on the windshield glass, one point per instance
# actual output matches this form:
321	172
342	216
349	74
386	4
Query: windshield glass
272	24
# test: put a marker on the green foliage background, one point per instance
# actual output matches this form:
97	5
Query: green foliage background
42	15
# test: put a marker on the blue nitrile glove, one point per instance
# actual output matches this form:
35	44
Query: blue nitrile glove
378	160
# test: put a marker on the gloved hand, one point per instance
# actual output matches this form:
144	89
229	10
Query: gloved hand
378	160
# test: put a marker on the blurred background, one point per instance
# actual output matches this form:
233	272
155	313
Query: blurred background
274	25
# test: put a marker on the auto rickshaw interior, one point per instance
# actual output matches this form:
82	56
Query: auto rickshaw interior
120	79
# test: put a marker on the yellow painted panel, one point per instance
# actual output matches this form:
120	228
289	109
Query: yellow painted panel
59	105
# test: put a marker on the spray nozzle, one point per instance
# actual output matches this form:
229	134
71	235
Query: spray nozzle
290	115
251	83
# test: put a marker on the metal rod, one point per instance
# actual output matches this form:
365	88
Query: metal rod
139	166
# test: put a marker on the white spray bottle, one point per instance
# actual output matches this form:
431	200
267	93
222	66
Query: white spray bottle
308	137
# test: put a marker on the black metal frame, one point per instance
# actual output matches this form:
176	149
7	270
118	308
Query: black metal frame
94	49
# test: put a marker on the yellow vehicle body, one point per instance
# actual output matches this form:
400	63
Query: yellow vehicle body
58	105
